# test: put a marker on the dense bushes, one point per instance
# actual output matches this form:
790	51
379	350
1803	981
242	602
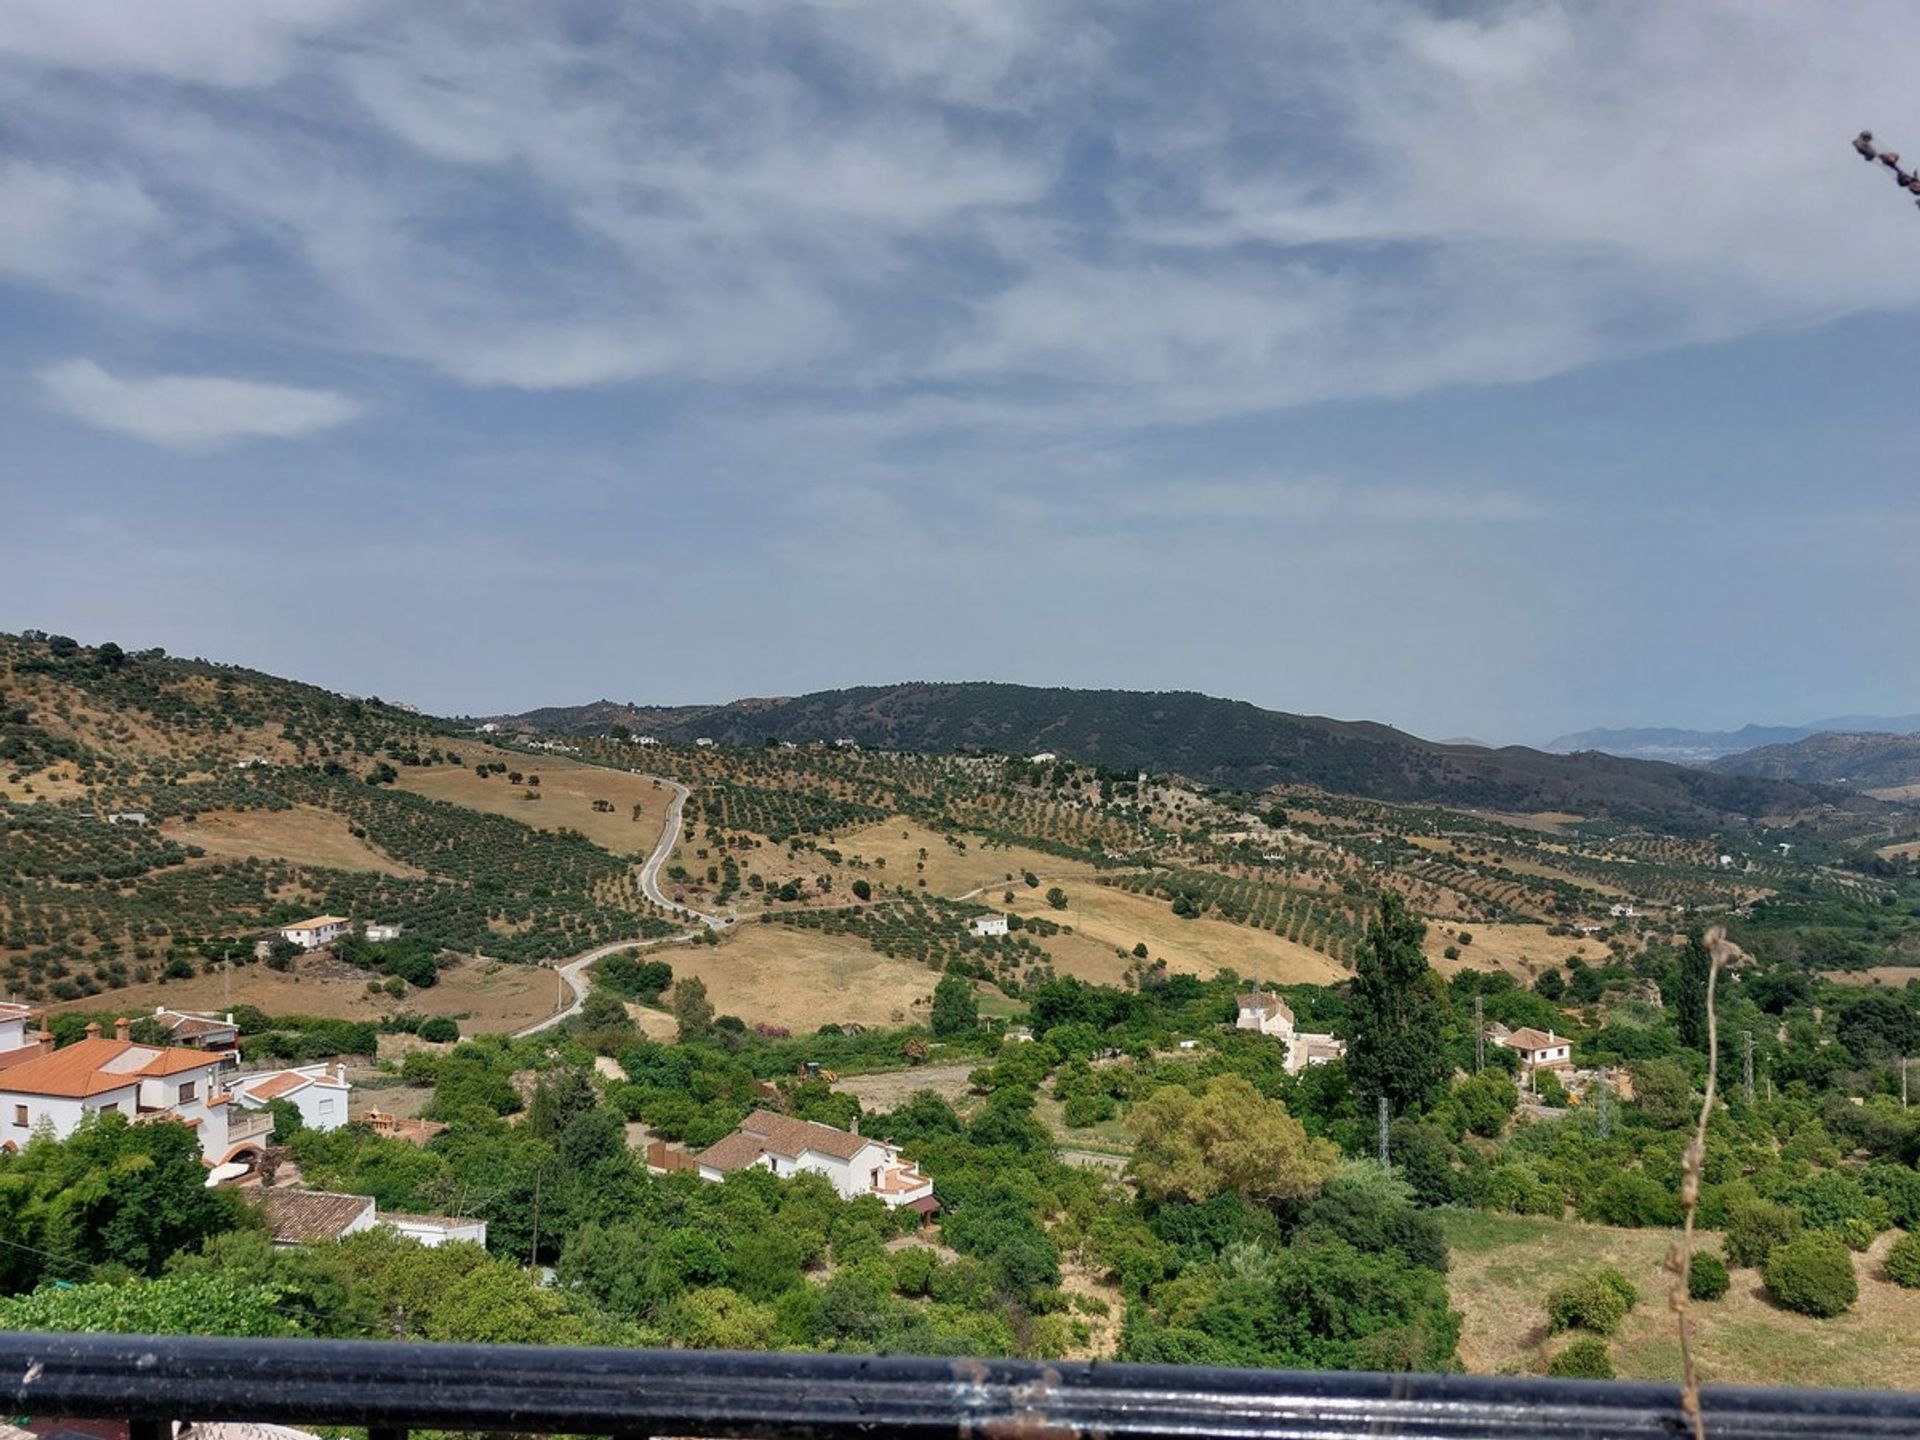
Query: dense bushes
1812	1274
1596	1300
1756	1227
1903	1261
1707	1277
1585	1359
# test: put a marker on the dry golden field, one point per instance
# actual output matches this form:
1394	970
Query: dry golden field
1503	1266
567	791
1523	951
305	835
803	980
1115	918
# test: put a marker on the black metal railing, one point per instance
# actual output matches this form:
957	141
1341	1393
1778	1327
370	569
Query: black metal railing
391	1388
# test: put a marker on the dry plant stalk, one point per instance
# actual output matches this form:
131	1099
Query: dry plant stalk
1680	1257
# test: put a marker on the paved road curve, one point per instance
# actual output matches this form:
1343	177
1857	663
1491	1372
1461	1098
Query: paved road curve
572	970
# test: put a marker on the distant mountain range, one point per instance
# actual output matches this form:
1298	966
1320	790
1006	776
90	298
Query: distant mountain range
1222	742
1858	761
1703	747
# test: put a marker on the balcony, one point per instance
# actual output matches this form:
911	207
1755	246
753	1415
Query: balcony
391	1388
247	1124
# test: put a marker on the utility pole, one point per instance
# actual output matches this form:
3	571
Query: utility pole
1602	1112
1385	1162
1479	1037
1746	1063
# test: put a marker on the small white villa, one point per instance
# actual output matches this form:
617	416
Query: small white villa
320	1092
312	934
987	925
1270	1015
1539	1049
856	1164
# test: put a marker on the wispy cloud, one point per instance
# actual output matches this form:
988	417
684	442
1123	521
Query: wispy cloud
190	412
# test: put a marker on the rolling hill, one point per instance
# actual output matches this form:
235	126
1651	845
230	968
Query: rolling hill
1221	742
1702	747
1857	761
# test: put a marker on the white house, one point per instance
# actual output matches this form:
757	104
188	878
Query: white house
216	1034
314	1217
14	1020
1622	911
1539	1050
1270	1015
645	740
136	818
57	1089
312	934
856	1164
380	934
703	743
1045	757
987	925
320	1092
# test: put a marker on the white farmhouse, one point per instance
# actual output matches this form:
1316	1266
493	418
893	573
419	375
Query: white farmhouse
1045	757
1539	1049
312	934
1270	1015
1622	911
57	1089
314	1217
320	1092
856	1164
988	925
704	742
380	934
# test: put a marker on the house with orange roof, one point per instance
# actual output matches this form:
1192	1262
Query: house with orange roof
55	1090
16	1043
856	1164
320	1092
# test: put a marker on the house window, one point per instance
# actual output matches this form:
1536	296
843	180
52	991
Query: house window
20	1115
873	1178
326	1107
187	1088
112	1107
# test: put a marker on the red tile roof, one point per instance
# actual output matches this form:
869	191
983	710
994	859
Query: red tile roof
281	1084
787	1136
302	1217
95	1067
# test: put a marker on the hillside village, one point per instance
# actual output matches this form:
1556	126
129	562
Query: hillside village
816	1045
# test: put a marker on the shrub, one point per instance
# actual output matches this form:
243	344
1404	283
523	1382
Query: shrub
1899	1187
1596	1300
1856	1233
1585	1359
1707	1277
1631	1198
1813	1275
1903	1262
1755	1227
439	1029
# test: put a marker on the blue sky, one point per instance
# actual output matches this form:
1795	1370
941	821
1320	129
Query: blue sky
1488	370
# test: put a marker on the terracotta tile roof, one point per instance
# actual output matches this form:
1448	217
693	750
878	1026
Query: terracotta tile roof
316	922
1528	1038
9	1058
732	1152
94	1067
192	1026
1267	1004
281	1084
302	1217
786	1136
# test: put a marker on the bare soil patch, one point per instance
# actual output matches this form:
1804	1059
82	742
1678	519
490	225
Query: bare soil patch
802	980
1523	951
893	1088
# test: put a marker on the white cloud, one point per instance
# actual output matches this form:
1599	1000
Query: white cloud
217	42
190	412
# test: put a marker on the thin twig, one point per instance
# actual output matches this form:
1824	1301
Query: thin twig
1680	1257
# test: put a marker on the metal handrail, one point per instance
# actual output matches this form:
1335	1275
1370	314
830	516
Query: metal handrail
390	1387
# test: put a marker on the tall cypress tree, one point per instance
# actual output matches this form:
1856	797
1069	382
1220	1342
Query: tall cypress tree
1690	1005
1398	1014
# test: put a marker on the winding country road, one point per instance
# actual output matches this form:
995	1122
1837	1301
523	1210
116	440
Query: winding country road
573	969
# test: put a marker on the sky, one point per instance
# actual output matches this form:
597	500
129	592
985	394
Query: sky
1489	370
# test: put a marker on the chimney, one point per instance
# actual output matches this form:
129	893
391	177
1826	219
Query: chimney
121	1027
159	1012
340	1072
854	1128
229	1017
93	1029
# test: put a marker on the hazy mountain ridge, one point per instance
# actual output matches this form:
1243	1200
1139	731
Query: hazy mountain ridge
1223	742
1857	761
1682	746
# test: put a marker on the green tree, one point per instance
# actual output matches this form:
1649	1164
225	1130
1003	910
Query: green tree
1486	1102
1231	1138
1812	1274
956	1011
691	1008
1690	1003
1397	1014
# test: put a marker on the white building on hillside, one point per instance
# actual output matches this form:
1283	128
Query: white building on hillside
1539	1049
312	934
215	1034
14	1038
55	1090
380	934
856	1164
315	1217
1270	1015
320	1092
988	925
